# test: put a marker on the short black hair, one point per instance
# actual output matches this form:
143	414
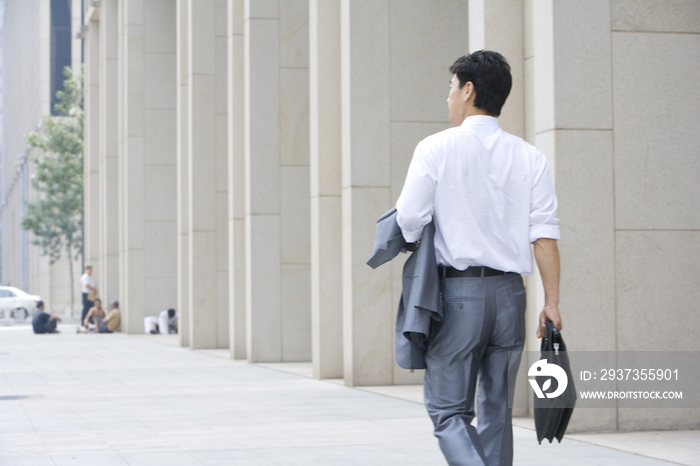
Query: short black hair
39	304
115	304
171	313
490	73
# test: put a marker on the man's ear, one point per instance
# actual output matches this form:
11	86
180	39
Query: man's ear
468	91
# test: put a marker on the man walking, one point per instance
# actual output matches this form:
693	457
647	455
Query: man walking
87	286
490	196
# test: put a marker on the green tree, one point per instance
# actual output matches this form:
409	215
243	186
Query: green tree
55	216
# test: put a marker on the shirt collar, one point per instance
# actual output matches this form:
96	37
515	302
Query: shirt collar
483	121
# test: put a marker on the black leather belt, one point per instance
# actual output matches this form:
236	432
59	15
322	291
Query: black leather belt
451	272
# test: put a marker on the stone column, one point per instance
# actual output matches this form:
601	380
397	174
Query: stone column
236	181
577	140
183	251
418	104
277	181
108	277
222	181
326	189
655	172
92	146
207	152
394	86
262	182
295	219
366	181
149	160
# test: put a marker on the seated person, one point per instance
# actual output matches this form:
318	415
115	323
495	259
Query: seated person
107	324
95	311
43	322
165	323
111	322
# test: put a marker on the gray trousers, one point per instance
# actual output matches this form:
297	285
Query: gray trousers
482	335
101	326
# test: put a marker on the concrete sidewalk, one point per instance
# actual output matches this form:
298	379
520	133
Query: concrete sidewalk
103	400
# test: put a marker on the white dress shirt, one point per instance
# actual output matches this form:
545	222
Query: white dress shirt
86	280
489	192
166	321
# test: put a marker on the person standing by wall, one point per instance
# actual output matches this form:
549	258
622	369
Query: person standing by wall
87	286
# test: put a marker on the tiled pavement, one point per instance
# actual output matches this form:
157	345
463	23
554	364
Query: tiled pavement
103	400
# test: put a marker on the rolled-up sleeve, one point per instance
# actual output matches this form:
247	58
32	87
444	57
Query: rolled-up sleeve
543	223
415	204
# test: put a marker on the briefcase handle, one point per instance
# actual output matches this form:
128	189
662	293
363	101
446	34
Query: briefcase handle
552	340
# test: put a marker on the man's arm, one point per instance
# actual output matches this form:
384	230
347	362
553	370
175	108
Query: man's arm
415	204
547	256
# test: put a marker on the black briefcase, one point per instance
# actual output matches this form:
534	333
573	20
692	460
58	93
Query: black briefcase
552	414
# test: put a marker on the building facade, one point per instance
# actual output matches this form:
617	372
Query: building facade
239	152
37	44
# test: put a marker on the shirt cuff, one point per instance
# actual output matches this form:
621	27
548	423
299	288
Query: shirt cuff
412	236
544	231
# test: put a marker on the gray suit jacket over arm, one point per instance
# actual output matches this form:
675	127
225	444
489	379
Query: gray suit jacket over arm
420	302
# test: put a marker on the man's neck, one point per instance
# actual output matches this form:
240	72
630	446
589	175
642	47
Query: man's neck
474	111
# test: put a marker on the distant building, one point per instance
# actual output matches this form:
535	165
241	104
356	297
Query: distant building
37	44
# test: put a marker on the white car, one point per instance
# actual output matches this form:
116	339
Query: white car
17	304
